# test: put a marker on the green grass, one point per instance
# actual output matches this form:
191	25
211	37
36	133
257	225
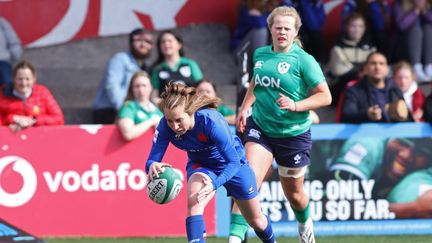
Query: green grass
336	239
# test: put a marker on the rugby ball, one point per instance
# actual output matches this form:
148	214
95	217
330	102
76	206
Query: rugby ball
165	188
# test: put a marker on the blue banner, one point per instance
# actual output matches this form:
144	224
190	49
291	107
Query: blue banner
364	179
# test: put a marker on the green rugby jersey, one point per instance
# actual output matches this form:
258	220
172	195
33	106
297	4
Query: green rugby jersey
361	157
411	187
290	73
137	113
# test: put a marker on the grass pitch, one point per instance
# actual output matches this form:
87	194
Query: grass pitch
335	239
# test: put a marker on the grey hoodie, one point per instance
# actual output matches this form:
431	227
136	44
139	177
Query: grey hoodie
10	45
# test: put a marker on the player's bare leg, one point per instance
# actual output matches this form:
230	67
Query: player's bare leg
260	159
251	211
292	183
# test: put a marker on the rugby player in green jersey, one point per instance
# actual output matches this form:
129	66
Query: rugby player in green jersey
279	127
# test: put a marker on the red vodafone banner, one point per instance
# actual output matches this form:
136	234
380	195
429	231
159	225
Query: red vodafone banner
85	181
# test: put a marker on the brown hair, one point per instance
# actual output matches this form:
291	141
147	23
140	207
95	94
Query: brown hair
352	17
404	65
178	94
286	11
262	6
130	95
161	58
207	81
22	65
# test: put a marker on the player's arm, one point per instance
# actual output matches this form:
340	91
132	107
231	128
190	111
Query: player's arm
159	146
223	139
313	76
320	97
221	135
247	103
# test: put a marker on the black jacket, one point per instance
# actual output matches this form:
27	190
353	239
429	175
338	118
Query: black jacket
428	108
360	97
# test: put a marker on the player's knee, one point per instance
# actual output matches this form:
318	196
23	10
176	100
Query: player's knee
258	223
295	197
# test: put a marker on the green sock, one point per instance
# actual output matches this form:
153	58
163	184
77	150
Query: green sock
301	215
238	226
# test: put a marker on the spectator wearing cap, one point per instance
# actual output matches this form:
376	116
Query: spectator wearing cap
120	68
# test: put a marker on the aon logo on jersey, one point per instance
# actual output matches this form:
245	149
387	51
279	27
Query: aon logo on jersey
267	81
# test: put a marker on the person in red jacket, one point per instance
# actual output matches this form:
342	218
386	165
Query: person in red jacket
25	104
405	79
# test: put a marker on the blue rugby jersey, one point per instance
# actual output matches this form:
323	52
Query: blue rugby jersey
210	143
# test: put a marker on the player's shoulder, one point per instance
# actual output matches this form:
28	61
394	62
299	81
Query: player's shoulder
208	115
163	125
263	50
207	112
302	54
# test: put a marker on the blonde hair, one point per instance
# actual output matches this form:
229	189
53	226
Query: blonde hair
286	11
408	5
180	95
404	65
130	95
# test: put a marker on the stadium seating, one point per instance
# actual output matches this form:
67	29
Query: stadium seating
73	70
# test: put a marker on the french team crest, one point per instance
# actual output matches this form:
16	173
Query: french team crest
283	67
202	138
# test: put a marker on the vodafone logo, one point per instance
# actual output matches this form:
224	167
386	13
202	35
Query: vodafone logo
91	180
28	189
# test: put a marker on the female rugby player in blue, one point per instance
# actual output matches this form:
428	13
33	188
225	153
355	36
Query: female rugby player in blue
216	158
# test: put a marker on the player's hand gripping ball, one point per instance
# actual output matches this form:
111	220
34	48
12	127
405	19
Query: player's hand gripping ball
165	188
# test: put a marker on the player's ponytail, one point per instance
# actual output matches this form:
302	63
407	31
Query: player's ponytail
180	95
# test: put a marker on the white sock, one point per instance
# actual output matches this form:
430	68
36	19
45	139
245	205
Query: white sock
234	239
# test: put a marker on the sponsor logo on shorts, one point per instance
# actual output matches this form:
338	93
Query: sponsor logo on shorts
251	190
297	159
254	133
